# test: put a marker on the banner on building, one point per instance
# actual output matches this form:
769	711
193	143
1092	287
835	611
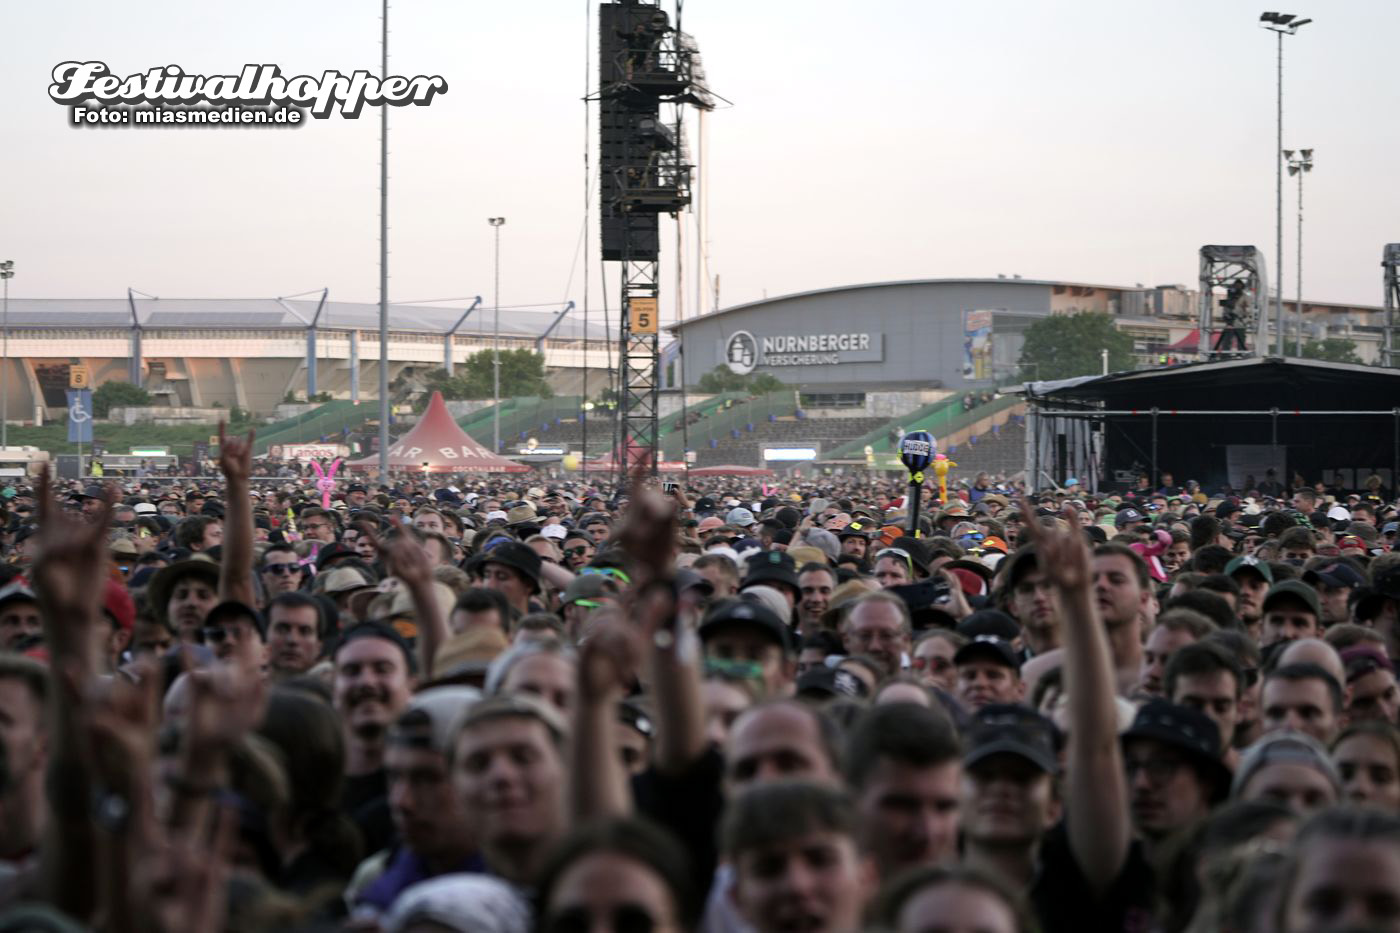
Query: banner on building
977	345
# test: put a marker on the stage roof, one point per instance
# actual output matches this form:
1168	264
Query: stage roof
1232	385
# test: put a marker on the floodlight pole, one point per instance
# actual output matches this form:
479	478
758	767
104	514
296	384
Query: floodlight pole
1299	166
384	260
7	272
497	223
1283	24
1278	208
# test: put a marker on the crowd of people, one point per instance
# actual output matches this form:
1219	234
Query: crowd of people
458	703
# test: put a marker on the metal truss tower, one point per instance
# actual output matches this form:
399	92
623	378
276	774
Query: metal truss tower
646	78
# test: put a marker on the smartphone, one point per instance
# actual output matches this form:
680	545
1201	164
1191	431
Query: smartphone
669	488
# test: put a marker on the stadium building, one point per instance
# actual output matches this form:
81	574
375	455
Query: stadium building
842	346
203	353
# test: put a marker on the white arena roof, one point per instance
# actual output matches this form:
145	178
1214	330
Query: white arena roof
288	314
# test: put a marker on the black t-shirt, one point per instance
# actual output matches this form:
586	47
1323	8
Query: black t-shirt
366	801
1062	900
690	806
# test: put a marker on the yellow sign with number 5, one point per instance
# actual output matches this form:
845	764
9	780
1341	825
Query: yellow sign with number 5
642	315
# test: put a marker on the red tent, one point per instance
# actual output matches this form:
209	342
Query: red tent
437	441
731	470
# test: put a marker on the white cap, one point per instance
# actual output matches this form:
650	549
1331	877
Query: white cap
497	515
1338	514
555	531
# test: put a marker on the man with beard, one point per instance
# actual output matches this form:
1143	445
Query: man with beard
1254	577
436	834
817	582
373	679
855	540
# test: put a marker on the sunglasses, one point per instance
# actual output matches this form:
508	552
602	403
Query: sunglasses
575	551
282	569
933	664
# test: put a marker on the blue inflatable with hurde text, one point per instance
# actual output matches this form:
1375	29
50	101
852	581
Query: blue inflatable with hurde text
917	450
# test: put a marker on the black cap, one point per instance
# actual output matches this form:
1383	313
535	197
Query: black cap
732	612
333	552
1338	574
1127	515
989	622
988	647
772	567
233	609
824	682
519	557
1008	729
1188	730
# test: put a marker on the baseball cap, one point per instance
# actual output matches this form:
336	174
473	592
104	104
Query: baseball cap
1335	575
1360	660
1293	589
1127	516
992	622
736	612
589	586
558	532
1286	747
739	516
988	647
431	717
1249	562
822	682
1006	729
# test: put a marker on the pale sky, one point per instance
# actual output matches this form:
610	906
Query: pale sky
1096	140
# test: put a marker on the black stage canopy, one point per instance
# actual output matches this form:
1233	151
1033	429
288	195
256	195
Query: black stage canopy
1220	423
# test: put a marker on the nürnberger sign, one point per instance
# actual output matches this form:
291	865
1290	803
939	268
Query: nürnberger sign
743	352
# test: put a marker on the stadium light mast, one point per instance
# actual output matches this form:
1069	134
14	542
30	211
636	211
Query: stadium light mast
7	272
1284	24
497	223
384	258
1299	166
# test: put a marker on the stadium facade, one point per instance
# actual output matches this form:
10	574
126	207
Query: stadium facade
838	344
253	353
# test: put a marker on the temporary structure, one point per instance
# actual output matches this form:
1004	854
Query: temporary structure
436	444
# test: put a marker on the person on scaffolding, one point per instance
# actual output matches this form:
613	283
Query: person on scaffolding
1235	307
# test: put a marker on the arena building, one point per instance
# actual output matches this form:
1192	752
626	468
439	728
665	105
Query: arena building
842	346
254	353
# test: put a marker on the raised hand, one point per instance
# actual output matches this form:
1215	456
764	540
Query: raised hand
407	559
1063	553
67	573
608	661
648	534
235	454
